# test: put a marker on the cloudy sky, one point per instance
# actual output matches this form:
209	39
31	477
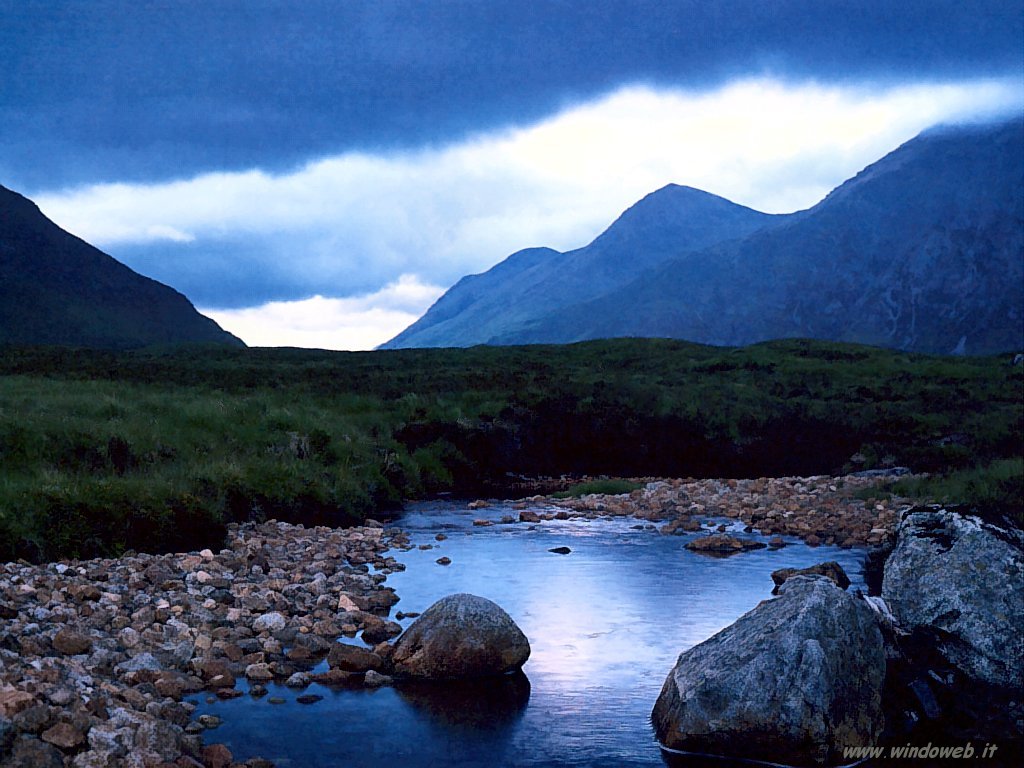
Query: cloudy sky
315	173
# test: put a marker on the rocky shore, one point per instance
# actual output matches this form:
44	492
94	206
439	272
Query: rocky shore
819	510
96	657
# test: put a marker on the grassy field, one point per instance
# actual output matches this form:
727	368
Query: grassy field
156	450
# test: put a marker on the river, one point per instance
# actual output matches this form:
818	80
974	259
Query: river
605	623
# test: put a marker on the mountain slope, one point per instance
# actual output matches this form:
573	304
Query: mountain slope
57	289
530	283
923	251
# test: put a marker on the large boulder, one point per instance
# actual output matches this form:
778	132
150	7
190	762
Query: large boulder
795	680
961	579
460	636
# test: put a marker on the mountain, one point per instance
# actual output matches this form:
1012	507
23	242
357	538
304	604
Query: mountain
56	289
505	299
922	251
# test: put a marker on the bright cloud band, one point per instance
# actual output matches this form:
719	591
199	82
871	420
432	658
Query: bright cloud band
354	222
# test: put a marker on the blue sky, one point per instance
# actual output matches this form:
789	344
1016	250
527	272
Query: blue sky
315	173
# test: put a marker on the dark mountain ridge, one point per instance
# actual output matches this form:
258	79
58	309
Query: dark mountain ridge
922	250
56	289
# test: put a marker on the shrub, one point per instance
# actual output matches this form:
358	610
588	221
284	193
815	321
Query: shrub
606	487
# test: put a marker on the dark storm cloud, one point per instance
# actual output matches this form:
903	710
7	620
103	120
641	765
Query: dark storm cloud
133	91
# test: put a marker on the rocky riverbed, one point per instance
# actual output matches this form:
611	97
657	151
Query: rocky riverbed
819	510
97	657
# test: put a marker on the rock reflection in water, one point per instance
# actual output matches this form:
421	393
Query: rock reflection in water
491	703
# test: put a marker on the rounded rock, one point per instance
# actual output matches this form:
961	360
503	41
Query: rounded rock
461	636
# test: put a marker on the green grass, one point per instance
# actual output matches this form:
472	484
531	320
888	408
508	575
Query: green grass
609	487
997	487
102	452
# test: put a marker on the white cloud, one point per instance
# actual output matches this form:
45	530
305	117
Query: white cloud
357	221
360	322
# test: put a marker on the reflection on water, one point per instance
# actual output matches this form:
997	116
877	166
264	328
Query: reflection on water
605	622
491	704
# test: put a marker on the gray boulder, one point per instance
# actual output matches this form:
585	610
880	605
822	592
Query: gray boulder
962	579
460	636
795	680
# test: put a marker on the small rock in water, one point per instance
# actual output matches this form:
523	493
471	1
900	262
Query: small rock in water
560	550
830	570
298	680
444	561
351	658
722	544
375	679
209	721
309	698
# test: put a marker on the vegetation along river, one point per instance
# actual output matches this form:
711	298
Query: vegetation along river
605	623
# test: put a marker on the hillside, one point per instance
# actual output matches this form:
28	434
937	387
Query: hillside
56	289
921	251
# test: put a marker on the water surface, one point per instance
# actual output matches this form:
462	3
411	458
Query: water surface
605	622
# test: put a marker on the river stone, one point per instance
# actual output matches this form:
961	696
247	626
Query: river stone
830	570
259	671
964	577
795	680
65	735
350	658
71	643
460	636
143	661
378	630
723	544
269	622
